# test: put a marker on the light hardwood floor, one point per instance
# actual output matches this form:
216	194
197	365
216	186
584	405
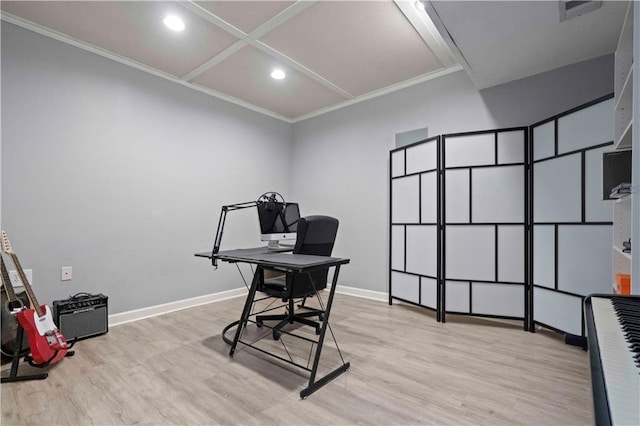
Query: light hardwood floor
405	369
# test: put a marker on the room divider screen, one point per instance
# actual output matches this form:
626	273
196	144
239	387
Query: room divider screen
504	223
484	233
415	239
572	224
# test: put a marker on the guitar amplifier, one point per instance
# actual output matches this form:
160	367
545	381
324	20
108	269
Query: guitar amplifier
81	316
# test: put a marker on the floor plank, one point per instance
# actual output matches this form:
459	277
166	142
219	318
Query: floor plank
406	368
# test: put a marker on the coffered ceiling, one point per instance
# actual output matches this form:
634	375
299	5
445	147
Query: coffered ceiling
333	53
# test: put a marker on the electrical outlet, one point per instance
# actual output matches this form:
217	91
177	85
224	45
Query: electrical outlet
15	278
65	273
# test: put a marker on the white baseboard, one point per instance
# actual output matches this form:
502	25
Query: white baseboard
359	292
152	311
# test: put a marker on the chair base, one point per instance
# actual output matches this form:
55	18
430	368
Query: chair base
289	318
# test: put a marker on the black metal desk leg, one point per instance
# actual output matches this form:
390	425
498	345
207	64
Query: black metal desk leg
313	385
247	308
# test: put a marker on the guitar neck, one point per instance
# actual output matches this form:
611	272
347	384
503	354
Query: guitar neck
6	282
27	286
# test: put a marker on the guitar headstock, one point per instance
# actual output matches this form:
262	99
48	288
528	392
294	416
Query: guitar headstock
6	245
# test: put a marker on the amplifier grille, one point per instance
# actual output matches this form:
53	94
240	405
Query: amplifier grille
82	317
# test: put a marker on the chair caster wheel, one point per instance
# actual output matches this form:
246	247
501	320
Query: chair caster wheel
276	335
317	331
321	317
259	324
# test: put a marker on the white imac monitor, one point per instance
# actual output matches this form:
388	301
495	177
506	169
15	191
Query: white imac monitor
278	222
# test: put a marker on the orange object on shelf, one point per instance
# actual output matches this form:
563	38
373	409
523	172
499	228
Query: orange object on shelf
623	284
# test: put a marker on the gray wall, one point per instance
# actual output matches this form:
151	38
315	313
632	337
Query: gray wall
341	159
121	175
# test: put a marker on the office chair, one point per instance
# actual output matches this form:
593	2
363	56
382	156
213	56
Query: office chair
315	235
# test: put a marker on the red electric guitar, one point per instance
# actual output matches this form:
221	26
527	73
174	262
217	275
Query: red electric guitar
47	343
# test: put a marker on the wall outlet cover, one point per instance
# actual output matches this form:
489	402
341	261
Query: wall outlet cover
65	273
15	278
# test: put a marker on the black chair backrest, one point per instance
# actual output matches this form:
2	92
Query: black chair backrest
316	235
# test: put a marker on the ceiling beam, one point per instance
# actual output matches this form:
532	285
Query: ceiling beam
252	39
428	31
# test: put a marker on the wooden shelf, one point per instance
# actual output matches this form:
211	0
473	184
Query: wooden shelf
623	113
624	200
625	66
619	250
625	94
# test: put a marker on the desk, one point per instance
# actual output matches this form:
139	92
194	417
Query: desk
263	258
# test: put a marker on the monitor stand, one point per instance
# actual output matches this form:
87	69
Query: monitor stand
274	245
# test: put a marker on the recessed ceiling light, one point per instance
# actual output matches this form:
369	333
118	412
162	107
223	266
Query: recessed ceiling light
174	23
278	74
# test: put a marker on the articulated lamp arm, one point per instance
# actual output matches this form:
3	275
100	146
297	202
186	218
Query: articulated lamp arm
221	221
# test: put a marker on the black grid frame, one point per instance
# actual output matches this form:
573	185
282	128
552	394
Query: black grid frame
523	223
557	224
437	309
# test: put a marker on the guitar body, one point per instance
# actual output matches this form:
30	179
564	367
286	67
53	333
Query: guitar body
47	344
10	324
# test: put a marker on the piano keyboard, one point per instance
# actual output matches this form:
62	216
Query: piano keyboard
613	326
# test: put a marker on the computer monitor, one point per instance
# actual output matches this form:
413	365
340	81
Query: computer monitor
278	221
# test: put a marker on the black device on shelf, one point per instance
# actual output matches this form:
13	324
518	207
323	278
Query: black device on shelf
616	169
82	315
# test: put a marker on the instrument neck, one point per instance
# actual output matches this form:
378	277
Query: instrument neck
27	286
6	282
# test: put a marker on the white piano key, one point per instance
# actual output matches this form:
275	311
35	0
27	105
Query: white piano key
621	375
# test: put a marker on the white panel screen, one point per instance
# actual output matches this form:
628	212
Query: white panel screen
457	196
544	253
405	286
544	140
429	198
422	157
498	299
584	259
511	147
498	194
596	209
457	297
405	198
511	253
558	310
472	150
470	252
429	295
586	127
422	249
397	163
557	190
397	247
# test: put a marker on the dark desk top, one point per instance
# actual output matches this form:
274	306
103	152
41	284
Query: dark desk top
276	258
246	251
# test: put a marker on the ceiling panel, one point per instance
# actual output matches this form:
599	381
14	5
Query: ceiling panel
131	29
245	15
359	46
246	76
508	40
